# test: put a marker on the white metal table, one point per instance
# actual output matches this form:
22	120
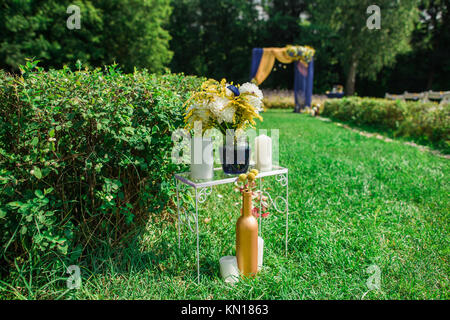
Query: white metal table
203	188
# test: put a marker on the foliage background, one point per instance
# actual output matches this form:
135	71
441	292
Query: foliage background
214	39
129	32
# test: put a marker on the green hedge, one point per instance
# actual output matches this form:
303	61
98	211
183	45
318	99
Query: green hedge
83	156
427	123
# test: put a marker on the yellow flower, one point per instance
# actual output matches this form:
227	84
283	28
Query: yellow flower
209	105
254	171
242	177
251	177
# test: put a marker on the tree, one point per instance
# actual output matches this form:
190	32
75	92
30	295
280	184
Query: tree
129	32
214	38
361	50
426	66
283	24
432	36
281	28
37	29
134	33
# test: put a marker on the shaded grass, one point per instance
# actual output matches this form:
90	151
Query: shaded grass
354	202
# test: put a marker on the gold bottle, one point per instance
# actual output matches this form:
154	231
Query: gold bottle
247	238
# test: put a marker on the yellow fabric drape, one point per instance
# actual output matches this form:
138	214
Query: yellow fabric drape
268	60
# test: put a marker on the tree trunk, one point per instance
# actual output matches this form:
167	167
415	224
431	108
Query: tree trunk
351	77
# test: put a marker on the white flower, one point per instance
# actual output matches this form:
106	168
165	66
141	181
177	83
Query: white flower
218	105
221	111
255	102
228	114
249	87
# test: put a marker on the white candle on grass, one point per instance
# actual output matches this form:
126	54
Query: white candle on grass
260	252
263	153
229	269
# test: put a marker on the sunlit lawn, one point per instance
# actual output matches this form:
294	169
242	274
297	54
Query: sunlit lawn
354	202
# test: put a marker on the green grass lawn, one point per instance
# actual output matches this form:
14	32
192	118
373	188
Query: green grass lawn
354	202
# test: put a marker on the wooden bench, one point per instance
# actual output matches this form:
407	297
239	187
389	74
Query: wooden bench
438	96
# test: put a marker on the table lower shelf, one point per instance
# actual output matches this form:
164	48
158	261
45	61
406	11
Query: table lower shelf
203	189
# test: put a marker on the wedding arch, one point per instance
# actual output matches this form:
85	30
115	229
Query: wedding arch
263	60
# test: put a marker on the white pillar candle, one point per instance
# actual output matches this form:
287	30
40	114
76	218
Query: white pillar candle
260	252
263	153
229	269
202	161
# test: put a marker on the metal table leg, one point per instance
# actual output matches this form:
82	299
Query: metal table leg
178	212
260	206
287	211
196	229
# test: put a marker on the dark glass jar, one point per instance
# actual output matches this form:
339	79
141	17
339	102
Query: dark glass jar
235	157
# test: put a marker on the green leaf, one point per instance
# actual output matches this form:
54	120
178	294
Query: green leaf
63	248
39	194
15	204
37	172
35	141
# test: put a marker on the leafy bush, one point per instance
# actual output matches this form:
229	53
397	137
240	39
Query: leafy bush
84	156
426	122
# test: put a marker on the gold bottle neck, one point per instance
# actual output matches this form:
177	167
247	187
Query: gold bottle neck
247	203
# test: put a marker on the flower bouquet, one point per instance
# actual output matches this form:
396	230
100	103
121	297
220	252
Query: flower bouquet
303	53
230	109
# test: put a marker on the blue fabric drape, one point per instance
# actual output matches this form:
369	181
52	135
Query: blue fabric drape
303	79
256	59
303	84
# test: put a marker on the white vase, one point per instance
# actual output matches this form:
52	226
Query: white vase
229	269
202	161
